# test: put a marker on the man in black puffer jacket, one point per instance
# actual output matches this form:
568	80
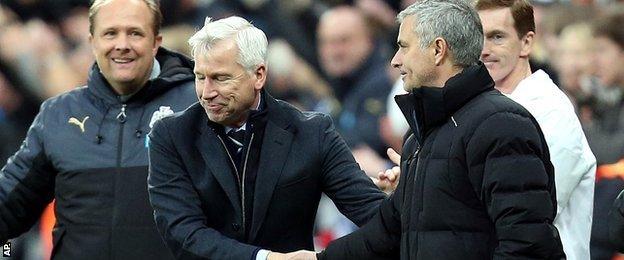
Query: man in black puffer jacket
87	147
477	183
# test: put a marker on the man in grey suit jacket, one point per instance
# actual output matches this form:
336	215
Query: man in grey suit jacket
240	174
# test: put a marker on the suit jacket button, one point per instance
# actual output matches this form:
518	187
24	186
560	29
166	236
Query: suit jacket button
235	226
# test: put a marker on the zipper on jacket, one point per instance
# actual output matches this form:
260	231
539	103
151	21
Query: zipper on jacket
420	185
419	181
121	117
242	181
415	156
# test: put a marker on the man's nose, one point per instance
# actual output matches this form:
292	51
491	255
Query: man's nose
486	49
396	61
121	42
208	91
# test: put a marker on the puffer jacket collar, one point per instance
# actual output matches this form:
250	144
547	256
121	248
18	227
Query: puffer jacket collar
427	107
174	68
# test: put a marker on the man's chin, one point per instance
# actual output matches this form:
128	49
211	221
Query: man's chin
124	79
409	86
219	119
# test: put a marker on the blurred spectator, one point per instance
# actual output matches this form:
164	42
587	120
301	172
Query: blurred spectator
9	133
292	79
551	19
17	110
605	127
351	57
42	57
281	19
352	60
573	61
380	11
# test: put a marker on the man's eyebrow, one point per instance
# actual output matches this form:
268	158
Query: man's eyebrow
212	74
220	74
494	32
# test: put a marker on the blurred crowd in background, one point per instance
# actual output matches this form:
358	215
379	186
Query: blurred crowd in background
331	56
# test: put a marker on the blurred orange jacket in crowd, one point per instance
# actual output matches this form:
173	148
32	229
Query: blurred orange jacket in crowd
610	171
45	230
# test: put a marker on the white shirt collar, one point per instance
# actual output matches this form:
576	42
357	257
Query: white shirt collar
534	86
155	70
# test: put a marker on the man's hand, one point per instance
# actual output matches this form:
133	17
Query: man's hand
388	180
370	162
299	255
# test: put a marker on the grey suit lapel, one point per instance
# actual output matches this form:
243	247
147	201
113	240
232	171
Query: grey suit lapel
274	152
218	162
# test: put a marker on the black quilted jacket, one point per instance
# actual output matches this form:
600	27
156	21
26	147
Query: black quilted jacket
477	181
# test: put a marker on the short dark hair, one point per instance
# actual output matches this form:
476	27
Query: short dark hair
610	26
521	11
153	5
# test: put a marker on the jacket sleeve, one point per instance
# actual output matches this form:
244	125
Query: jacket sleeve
378	239
344	182
177	210
616	223
510	169
26	183
571	168
574	162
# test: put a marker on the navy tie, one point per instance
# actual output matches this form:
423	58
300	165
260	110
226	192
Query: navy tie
236	140
237	137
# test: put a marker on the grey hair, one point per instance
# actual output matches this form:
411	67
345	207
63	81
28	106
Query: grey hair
456	21
251	41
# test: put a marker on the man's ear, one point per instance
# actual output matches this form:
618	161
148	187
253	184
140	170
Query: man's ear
91	42
440	48
527	44
157	43
261	74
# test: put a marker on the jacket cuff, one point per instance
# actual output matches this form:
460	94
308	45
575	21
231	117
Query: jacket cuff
261	254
